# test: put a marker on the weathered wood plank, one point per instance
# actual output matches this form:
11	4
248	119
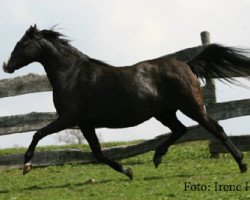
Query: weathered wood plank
47	158
30	83
23	123
227	110
242	142
116	153
185	54
34	121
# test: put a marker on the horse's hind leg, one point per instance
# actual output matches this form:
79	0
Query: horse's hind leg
90	136
201	116
170	120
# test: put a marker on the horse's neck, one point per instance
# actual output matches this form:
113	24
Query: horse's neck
60	70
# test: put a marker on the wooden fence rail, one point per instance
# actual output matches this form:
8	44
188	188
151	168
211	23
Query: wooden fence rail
34	121
32	83
45	158
56	157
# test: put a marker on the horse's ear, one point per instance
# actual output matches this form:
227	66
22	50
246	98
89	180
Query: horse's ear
32	31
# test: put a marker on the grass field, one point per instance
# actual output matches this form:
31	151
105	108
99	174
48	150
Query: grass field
188	163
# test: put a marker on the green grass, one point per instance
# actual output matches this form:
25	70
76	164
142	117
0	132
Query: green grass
83	147
189	162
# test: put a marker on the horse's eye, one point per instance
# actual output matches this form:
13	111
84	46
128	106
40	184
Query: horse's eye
25	43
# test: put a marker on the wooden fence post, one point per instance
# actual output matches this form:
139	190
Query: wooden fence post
205	38
209	89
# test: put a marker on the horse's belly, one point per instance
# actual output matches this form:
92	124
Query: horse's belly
122	118
119	122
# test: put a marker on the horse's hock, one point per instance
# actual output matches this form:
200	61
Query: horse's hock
34	121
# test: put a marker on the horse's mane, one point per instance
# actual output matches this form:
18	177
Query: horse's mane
55	36
59	39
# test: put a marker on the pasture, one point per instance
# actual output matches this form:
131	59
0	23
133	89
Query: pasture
188	163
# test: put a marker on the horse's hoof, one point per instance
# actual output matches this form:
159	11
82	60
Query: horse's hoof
26	168
157	161
129	172
243	168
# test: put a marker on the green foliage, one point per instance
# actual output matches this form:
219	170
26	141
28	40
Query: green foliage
189	162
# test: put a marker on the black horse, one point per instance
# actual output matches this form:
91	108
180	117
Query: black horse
91	94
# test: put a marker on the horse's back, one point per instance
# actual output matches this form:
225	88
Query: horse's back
174	82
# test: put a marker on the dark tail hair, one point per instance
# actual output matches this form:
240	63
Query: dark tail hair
217	61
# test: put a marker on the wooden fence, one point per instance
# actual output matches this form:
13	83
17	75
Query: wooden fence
34	121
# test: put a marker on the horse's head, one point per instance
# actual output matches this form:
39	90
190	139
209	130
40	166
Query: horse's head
26	51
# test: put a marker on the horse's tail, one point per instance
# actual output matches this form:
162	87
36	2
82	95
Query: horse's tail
216	61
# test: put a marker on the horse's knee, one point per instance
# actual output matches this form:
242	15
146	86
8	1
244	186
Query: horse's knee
37	136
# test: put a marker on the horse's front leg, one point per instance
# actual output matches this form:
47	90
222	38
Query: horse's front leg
58	125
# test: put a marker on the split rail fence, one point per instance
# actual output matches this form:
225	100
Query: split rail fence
32	83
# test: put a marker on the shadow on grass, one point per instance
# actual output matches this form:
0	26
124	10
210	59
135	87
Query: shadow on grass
105	181
162	177
66	185
4	191
136	162
151	178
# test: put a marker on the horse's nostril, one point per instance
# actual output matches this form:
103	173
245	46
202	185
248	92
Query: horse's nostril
5	67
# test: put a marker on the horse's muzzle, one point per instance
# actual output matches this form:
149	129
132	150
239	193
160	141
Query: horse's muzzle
7	69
